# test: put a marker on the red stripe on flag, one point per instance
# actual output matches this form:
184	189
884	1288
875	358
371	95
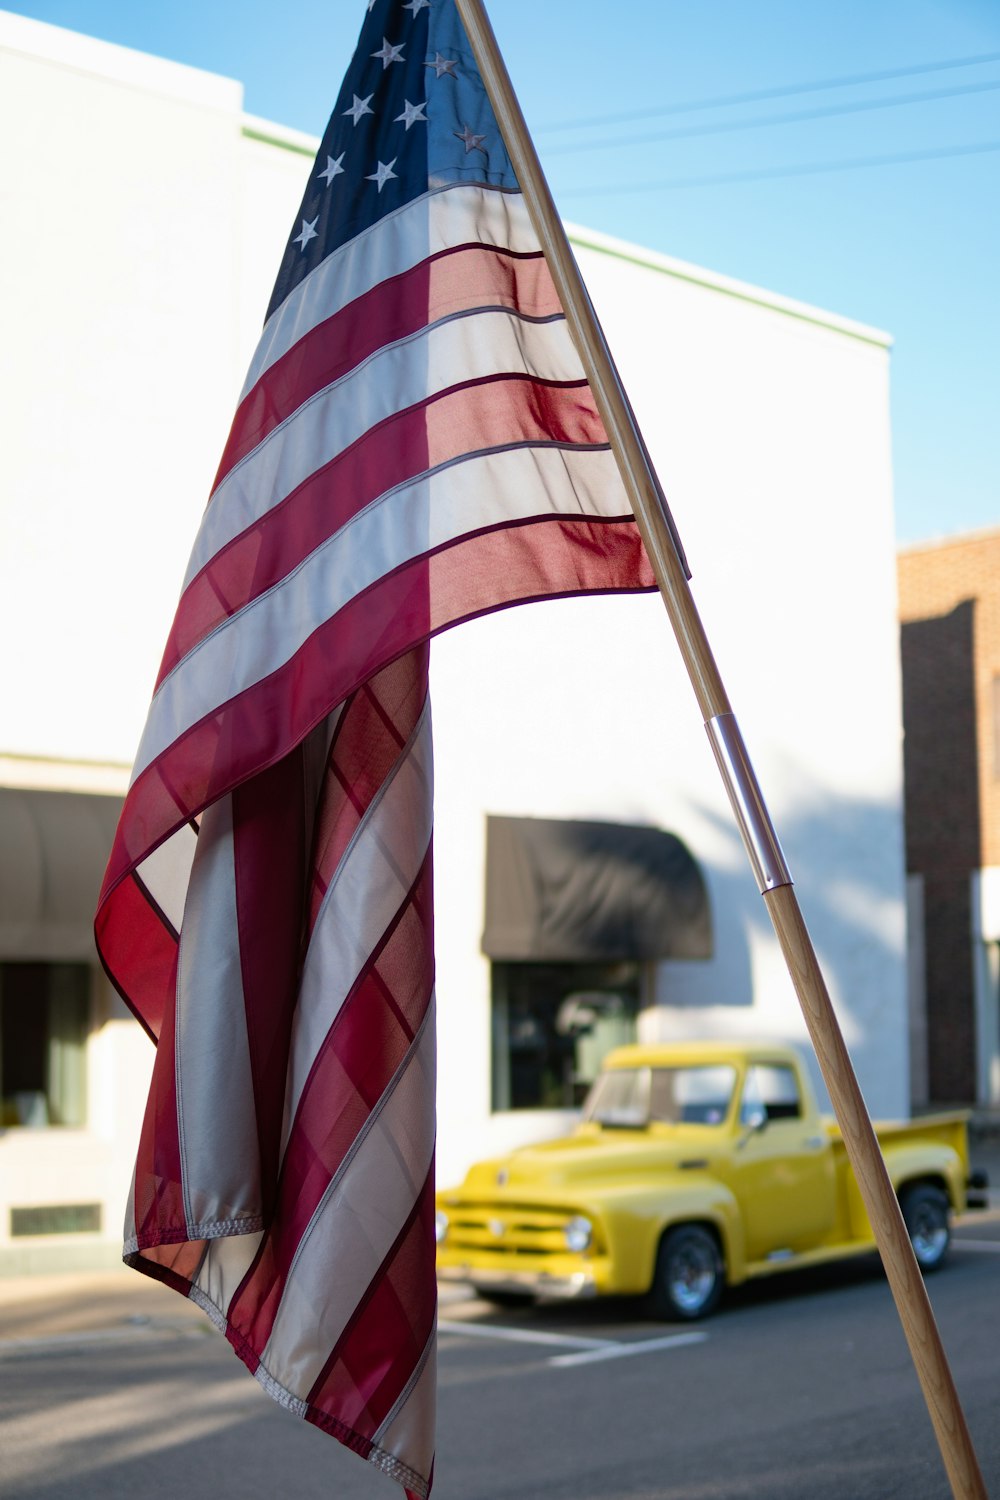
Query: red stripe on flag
372	1363
479	573
160	1216
500	412
144	946
269	841
460	279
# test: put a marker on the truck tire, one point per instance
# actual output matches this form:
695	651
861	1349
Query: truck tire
689	1278
925	1213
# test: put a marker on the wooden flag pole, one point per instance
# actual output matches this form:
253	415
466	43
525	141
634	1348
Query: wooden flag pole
659	538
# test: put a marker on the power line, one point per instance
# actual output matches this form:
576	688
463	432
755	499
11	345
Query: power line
803	169
782	91
756	122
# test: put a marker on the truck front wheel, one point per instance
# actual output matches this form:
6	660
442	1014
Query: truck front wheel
925	1213
688	1280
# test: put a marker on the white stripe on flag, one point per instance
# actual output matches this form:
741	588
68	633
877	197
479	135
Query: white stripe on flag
216	1120
226	1262
165	873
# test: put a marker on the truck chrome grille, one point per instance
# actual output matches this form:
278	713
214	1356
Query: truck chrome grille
507	1229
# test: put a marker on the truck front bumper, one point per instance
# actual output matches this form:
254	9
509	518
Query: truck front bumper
575	1284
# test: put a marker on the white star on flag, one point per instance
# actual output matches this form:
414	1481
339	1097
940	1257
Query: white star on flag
306	233
412	113
333	168
441	65
389	54
471	141
416	5
382	173
360	107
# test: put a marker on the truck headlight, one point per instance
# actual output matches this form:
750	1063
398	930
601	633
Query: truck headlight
578	1234
440	1226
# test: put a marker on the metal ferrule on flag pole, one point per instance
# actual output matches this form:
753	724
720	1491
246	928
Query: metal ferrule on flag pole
660	539
749	808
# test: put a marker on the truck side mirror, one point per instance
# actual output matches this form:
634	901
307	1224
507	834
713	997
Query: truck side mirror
753	1117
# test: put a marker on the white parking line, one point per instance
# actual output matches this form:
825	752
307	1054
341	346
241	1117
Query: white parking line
624	1351
586	1351
523	1336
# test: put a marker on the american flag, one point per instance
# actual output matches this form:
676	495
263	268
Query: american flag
416	444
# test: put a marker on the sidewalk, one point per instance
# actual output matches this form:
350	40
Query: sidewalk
77	1304
73	1305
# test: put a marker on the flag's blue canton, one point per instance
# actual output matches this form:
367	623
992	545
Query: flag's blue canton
412	115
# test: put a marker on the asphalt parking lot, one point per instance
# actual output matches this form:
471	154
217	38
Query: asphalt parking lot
111	1385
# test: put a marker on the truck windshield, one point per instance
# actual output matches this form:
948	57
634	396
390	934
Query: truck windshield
630	1098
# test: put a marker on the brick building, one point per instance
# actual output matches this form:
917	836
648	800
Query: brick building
949	600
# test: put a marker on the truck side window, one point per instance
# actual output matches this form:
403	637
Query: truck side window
773	1089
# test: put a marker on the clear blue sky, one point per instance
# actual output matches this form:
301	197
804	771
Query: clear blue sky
911	246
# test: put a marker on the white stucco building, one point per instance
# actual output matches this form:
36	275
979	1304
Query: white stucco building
133	285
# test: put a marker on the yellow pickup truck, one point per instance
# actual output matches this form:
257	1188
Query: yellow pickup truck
693	1167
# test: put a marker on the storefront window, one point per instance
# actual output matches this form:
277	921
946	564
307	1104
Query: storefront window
553	1024
44	1018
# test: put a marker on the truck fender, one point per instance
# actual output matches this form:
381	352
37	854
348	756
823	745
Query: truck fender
939	1166
637	1230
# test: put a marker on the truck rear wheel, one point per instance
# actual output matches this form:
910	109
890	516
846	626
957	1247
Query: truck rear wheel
688	1280
925	1213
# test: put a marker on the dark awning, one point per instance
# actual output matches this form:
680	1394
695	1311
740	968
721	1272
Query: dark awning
576	891
54	847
